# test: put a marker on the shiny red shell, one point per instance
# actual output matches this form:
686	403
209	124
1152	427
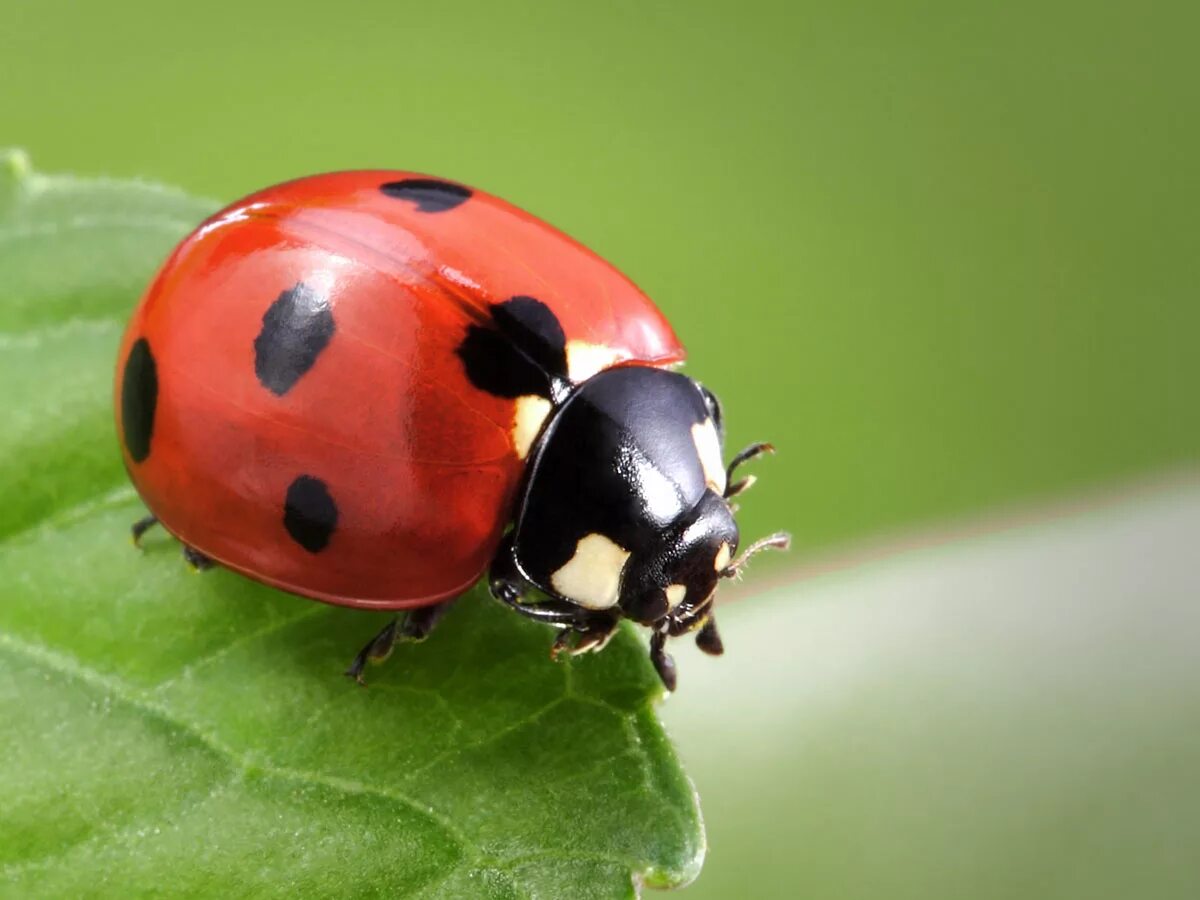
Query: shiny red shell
422	464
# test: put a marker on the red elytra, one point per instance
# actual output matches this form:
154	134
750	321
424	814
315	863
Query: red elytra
363	400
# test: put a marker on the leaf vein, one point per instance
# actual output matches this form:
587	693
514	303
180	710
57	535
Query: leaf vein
71	669
115	837
35	338
115	497
92	223
308	611
461	748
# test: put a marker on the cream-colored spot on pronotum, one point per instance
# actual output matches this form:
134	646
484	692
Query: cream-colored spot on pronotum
675	594
592	577
527	422
708	446
584	360
721	563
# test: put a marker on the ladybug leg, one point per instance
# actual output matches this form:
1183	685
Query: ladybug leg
140	527
663	663
508	586
421	621
552	612
504	580
743	456
197	560
377	649
708	638
589	635
416	627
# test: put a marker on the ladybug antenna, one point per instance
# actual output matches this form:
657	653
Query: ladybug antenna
780	540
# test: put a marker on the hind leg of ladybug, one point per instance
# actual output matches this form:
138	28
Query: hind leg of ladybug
197	560
140	527
417	625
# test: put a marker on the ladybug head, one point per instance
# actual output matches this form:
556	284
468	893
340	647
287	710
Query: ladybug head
677	582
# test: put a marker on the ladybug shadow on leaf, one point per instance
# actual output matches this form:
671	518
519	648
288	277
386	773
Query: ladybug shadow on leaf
478	673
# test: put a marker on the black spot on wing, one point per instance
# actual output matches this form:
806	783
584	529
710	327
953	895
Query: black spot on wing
139	397
431	195
535	330
295	329
309	513
494	365
524	353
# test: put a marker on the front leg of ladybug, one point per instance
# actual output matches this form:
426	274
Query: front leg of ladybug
588	634
708	639
417	625
664	664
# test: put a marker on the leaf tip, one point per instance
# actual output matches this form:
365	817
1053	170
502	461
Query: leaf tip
675	877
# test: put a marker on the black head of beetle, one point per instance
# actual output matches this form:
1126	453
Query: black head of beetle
626	512
682	575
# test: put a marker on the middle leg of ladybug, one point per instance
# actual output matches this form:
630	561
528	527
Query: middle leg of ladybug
582	630
417	625
508	586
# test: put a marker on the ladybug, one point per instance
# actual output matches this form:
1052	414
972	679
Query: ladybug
371	387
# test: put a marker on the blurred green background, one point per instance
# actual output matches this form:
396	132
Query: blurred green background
944	255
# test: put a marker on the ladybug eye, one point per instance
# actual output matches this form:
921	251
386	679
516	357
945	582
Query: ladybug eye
714	409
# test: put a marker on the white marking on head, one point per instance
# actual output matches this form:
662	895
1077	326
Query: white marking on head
724	554
531	412
708	447
675	594
584	360
592	577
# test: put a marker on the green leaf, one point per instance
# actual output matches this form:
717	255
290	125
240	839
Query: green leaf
193	734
